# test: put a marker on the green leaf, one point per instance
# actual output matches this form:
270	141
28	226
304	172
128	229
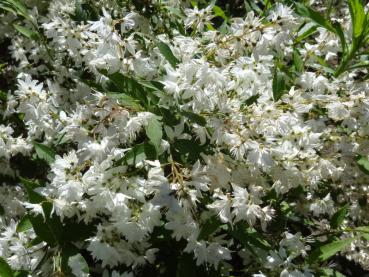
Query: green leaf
27	32
365	236
186	266
189	149
154	131
15	6
167	53
279	85
339	216
357	17
363	164
210	226
21	273
35	241
326	251
249	237
316	17
44	152
307	31
364	232
130	87
126	100
297	61
195	118
33	197
329	272
3	96
339	31
5	270
24	224
138	153
251	100
49	229
219	12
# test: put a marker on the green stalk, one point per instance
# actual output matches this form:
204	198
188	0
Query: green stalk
347	58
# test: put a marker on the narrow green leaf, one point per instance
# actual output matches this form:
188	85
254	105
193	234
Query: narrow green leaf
339	31
21	273
5	270
49	229
24	224
195	118
154	131
167	53
44	152
33	197
279	85
27	32
358	17
251	100
313	15
136	154
297	61
219	12
306	32
210	226
328	250
3	96
126	100
365	236
35	241
339	216
329	272
363	164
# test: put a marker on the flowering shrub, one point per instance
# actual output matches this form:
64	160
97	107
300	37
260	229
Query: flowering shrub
168	138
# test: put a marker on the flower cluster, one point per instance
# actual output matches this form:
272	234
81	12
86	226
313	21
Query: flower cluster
166	138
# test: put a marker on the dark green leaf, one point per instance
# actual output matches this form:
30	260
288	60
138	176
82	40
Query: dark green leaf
251	100
154	131
341	35
210	226
316	17
21	273
5	270
326	251
49	229
249	237
339	216
3	96
24	224
126	100
33	197
195	118
167	53
44	152
329	272
297	61
189	149
34	242
279	85
138	153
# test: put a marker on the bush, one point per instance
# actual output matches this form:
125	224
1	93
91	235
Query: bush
178	138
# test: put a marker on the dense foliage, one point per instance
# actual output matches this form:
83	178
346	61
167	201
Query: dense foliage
178	138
